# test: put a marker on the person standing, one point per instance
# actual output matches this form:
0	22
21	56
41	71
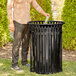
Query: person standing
18	23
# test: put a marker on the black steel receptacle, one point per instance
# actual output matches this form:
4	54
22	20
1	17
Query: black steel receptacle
46	47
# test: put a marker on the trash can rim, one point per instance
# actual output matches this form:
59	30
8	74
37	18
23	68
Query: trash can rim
60	22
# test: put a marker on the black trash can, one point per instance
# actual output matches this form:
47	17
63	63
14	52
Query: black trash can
46	47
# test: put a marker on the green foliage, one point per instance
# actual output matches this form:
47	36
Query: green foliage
69	29
46	6
4	31
11	39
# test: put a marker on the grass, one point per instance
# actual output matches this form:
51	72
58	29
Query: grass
69	69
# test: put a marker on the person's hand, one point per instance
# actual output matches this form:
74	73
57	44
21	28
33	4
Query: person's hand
11	26
47	14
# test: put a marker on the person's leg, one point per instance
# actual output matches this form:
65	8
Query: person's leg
16	43
25	44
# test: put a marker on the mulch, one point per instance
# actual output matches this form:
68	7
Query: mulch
6	53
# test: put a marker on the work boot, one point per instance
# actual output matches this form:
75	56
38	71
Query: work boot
27	64
17	69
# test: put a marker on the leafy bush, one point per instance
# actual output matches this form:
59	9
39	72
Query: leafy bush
4	31
46	6
69	29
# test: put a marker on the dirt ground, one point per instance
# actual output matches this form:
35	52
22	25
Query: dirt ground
6	53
